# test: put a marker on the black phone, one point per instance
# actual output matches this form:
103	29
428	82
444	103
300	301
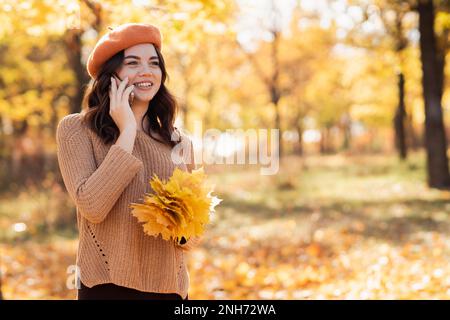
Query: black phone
131	96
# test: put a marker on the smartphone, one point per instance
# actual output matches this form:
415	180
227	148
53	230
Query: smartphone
131	96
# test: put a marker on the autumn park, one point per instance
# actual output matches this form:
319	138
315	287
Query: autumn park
339	190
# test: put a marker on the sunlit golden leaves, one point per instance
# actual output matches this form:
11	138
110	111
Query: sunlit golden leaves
179	207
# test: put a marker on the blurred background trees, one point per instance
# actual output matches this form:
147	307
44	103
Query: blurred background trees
357	88
332	75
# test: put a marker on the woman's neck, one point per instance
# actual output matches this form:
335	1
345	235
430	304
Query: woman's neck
139	110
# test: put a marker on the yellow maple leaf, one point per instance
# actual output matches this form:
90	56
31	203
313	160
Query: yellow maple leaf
179	208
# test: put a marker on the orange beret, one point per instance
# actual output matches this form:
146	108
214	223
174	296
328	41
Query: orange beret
120	38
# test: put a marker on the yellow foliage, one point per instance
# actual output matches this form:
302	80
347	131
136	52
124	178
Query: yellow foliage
179	208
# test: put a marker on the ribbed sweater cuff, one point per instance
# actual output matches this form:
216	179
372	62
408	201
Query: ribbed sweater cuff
124	162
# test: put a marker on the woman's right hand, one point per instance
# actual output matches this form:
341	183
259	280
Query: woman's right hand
119	107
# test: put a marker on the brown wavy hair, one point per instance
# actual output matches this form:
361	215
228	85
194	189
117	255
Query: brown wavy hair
161	111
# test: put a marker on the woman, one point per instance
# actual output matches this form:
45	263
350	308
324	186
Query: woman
108	153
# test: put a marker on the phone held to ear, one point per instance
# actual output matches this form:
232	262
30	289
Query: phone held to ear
131	96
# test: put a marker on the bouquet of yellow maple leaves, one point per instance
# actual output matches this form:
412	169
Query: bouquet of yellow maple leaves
179	208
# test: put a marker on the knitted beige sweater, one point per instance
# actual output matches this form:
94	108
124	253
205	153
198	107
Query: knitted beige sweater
103	180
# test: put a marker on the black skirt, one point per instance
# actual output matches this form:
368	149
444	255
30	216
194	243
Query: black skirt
110	291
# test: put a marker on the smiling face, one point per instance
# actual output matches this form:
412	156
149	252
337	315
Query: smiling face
142	67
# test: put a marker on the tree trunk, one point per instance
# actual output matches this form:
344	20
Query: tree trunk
298	147
414	138
275	100
275	94
326	141
322	143
346	145
72	40
400	118
435	139
346	129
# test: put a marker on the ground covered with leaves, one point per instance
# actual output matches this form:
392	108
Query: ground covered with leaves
325	227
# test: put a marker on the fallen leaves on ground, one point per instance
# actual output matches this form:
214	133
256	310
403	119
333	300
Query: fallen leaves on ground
336	235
